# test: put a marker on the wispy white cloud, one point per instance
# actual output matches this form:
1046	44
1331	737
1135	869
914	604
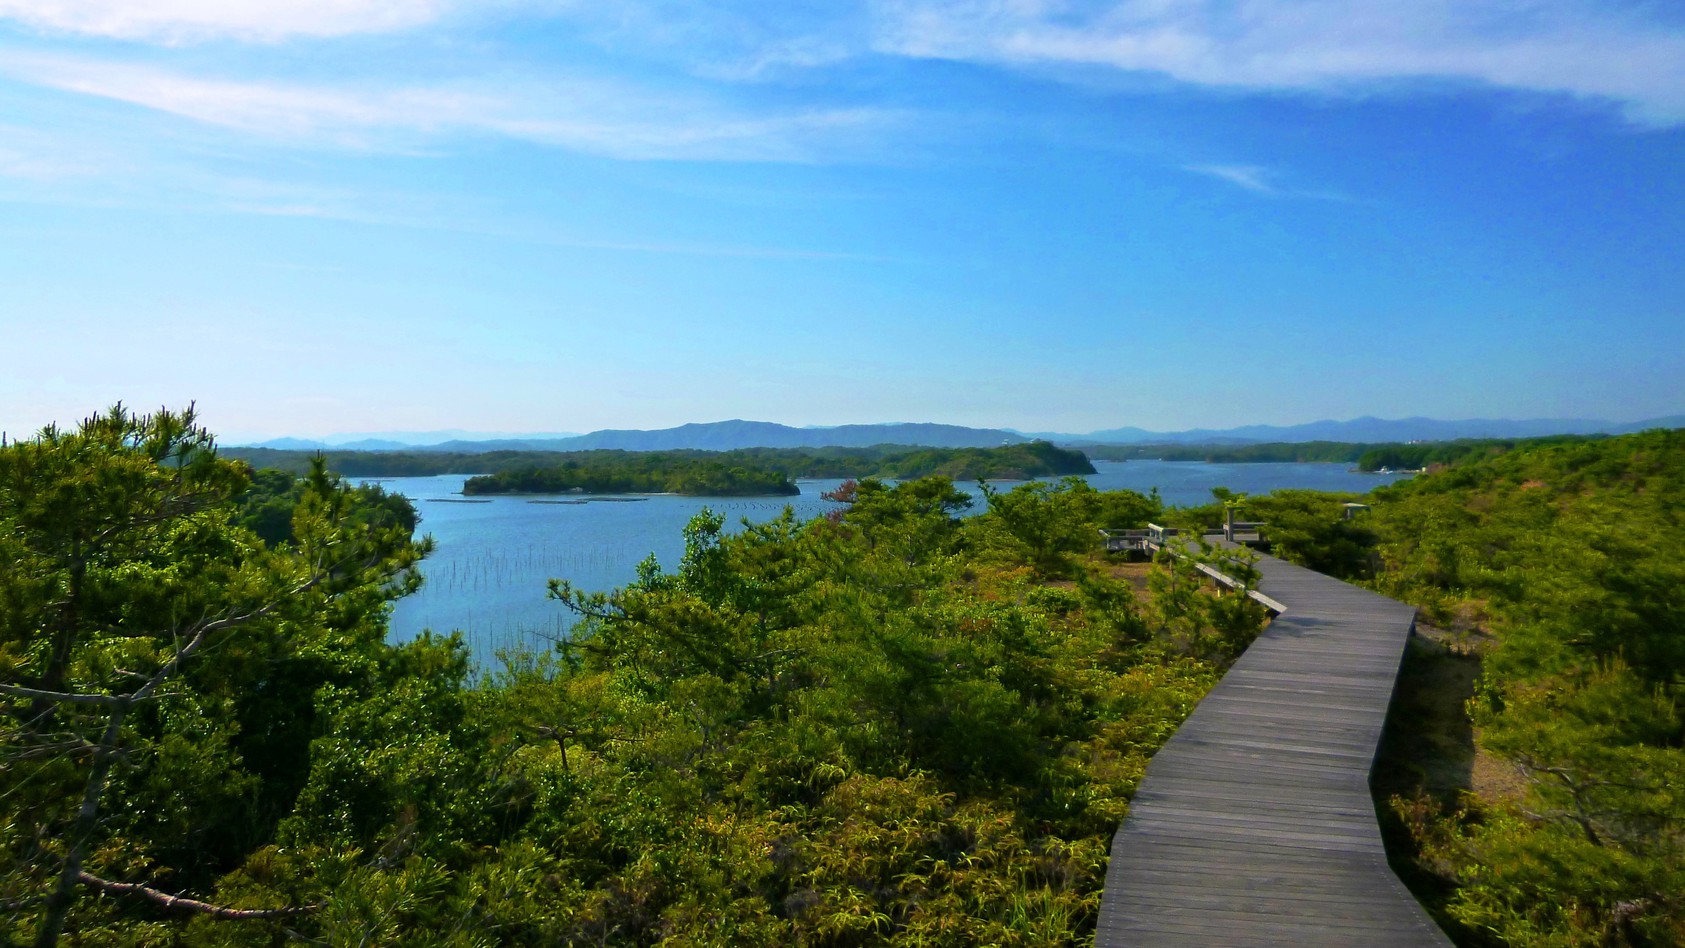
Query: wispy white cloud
1265	182
782	56
174	21
1571	47
1249	177
1625	53
740	40
601	117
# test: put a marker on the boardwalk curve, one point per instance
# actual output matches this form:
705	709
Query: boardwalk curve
1254	824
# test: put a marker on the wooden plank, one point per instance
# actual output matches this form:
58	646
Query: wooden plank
1254	824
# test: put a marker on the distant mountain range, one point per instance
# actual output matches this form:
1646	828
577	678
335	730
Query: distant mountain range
712	436
1368	430
401	440
728	435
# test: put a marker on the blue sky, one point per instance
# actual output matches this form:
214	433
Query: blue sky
314	216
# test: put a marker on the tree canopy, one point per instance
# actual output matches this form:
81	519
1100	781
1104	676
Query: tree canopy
1568	555
627	473
1007	462
891	725
162	664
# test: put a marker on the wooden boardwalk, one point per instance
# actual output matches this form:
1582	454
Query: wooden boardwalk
1254	824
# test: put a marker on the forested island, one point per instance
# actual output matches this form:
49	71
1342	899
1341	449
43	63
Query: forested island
651	472
1397	456
1007	462
894	724
666	471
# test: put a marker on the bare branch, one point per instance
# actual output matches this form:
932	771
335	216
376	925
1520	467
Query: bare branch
193	905
71	748
62	697
202	631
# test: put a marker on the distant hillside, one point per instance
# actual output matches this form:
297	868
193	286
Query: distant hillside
1669	423
729	435
1024	461
1375	430
735	434
315	444
400	440
710	436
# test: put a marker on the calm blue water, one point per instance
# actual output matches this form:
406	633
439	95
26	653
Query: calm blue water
487	576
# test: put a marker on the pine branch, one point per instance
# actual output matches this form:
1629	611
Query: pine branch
193	905
37	694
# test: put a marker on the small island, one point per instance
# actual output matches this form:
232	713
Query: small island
742	472
1010	462
648	473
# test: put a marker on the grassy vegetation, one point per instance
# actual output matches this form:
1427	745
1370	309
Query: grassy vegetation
1549	809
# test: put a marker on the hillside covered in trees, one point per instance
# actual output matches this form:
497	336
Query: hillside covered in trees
1561	568
652	473
891	724
1399	456
1572	557
1007	462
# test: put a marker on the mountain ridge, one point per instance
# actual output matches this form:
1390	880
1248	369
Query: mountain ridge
739	433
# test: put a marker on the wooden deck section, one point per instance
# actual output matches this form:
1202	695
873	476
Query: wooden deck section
1254	824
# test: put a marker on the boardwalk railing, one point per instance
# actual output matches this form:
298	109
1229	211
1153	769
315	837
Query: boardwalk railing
1126	541
1254	824
1148	540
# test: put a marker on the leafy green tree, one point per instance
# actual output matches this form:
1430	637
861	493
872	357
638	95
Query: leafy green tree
140	636
1045	524
1191	618
915	518
1126	509
1311	528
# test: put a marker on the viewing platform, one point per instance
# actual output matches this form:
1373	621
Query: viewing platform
1254	824
1154	537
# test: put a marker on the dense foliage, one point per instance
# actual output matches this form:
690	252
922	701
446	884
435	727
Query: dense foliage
1414	456
1431	455
637	473
1013	462
164	672
1007	462
268	506
1570	555
892	725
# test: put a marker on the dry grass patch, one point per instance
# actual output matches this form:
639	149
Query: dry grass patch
1133	572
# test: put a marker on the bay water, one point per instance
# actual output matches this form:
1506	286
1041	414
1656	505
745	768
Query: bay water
494	555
